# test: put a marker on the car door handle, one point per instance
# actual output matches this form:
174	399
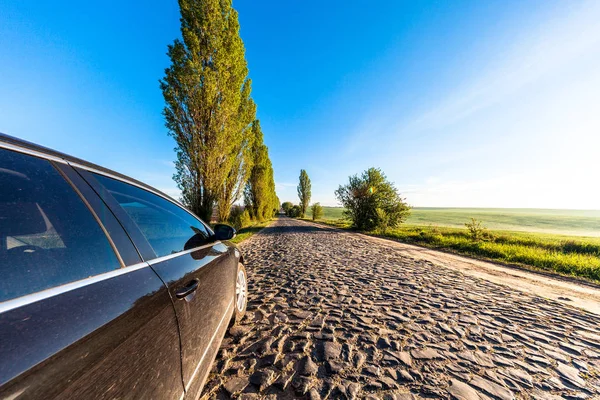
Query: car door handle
187	289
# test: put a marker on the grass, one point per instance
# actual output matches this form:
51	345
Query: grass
248	231
332	212
564	222
564	254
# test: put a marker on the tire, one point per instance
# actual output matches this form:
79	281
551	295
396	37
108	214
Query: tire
240	301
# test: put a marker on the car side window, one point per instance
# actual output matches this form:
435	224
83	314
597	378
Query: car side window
48	237
168	228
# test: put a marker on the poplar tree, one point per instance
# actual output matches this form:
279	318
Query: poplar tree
256	187
208	105
241	157
304	192
259	196
273	204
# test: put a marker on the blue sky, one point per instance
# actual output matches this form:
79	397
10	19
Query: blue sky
466	103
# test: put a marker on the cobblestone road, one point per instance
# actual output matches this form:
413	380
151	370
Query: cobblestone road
333	315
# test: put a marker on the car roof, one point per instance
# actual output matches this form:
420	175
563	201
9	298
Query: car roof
24	144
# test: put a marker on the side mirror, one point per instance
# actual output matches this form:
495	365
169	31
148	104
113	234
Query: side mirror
224	232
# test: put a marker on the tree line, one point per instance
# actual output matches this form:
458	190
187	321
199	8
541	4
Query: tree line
209	111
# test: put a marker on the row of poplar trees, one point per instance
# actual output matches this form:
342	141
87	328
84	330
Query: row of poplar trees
211	115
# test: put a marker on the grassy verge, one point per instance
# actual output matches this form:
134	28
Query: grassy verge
566	255
248	231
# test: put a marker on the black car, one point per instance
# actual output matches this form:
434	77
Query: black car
108	287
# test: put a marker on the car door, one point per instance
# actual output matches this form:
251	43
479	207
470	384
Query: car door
199	271
81	315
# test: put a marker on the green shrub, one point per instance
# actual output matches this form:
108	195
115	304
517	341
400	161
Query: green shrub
317	211
239	217
294	212
372	202
245	219
286	206
488	236
234	216
476	230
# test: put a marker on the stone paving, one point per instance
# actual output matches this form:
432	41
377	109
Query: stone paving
333	315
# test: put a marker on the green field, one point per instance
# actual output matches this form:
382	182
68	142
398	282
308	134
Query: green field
562	241
565	222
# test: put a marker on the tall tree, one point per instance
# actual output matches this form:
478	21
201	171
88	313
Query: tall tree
260	197
241	157
304	192
206	92
273	204
257	192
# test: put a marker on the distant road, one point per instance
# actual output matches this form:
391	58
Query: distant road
336	314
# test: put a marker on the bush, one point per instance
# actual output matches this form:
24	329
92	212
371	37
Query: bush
294	212
245	219
317	211
489	236
239	217
476	230
286	207
234	216
372	202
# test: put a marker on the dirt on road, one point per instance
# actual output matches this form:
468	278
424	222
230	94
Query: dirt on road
340	315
